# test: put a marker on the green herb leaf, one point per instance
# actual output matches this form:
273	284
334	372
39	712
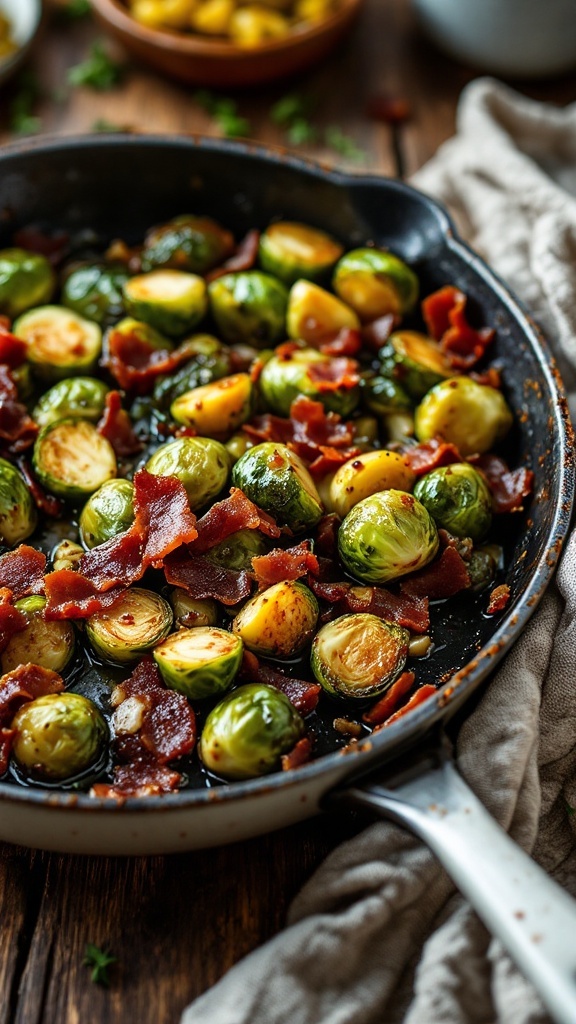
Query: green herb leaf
233	126
289	109
301	131
74	10
102	125
224	112
341	143
22	120
99	960
98	71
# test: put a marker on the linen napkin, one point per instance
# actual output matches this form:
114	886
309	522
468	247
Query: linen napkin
379	934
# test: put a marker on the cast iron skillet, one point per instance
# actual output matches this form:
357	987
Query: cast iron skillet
118	186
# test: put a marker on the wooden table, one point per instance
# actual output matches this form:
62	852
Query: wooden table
176	924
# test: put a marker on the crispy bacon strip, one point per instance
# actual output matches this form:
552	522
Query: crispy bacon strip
22	571
327	536
12	349
138	780
347	342
162	515
303	695
498	599
17	428
153	725
48	504
444	314
509	487
135	364
322	439
202	579
417	698
23	684
410	611
11	620
227	517
428	455
443	578
116	426
387	704
300	754
243	259
69	595
285	564
337	375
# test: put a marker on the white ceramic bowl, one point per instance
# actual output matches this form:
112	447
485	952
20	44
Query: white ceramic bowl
25	17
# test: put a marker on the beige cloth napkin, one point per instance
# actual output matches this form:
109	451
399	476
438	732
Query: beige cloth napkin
379	935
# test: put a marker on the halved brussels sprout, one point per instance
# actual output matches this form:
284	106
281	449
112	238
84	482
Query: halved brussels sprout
200	463
59	343
246	734
216	409
188	243
458	499
199	662
359	655
286	376
143	332
209	360
472	416
95	291
414	360
170	300
315	314
238	550
386	536
291	250
237	446
366	474
249	307
26	280
71	459
66	555
192	611
134	624
277	480
18	517
58	735
374	283
74	396
108	512
388	400
279	621
49	644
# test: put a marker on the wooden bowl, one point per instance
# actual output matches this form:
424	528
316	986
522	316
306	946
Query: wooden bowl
201	61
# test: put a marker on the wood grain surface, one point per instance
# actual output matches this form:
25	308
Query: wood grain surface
176	924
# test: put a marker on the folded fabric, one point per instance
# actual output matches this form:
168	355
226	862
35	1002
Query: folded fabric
379	933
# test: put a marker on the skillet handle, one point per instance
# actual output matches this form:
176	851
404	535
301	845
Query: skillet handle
531	915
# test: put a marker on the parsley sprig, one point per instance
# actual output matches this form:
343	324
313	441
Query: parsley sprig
22	120
224	111
74	10
99	71
99	960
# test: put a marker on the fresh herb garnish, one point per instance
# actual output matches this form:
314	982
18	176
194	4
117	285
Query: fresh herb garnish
73	10
98	71
291	113
341	143
102	125
301	132
22	119
99	960
224	111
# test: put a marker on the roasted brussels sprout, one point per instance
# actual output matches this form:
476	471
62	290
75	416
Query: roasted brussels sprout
94	290
209	360
134	624
59	343
199	662
366	474
109	511
238	550
216	409
386	536
314	314
291	251
374	283
481	568
18	516
286	376
188	243
71	459
458	499
143	332
249	307
277	480
191	611
246	734
472	416
49	644
170	300
66	555
26	280
58	736
388	400
359	655
73	396
279	621
238	445
200	463
414	360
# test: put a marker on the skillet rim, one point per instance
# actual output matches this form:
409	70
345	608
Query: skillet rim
375	749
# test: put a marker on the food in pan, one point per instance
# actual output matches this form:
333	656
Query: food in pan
235	482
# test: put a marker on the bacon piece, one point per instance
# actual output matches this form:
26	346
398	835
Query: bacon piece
498	599
336	375
135	364
347	342
326	543
117	562
227	517
202	579
16	426
320	438
387	704
12	349
408	610
22	571
444	577
508	486
158	725
285	564
7	737
243	259
417	698
48	504
423	458
138	780
69	595
116	426
27	682
299	754
11	620
444	313
163	516
376	333
302	694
